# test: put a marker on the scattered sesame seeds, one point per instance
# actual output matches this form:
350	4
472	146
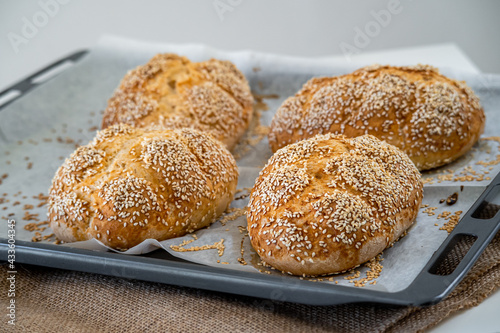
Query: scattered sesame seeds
355	274
232	214
36	226
39	237
452	220
241	259
30	217
185	242
429	211
219	246
255	133
374	271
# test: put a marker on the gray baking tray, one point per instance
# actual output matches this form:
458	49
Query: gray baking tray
445	269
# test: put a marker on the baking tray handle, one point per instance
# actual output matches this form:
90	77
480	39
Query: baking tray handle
467	241
20	88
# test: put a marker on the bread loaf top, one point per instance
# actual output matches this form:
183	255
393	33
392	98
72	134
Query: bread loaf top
432	118
170	91
132	184
329	203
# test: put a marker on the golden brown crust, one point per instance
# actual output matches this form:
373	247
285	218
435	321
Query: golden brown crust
131	184
329	203
171	92
430	117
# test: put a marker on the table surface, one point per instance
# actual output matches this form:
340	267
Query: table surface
63	27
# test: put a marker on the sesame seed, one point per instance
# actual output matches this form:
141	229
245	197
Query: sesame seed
189	169
219	101
373	181
423	111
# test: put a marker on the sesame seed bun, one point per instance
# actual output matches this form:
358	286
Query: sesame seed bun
432	118
172	92
329	203
131	184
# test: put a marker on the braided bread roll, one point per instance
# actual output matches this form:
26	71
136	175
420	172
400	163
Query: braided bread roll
172	92
431	118
329	203
131	184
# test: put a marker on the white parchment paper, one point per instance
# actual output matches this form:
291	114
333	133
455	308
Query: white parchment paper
41	129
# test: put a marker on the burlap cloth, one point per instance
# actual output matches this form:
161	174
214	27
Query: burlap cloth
53	300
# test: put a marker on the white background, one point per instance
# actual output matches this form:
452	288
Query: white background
301	28
306	28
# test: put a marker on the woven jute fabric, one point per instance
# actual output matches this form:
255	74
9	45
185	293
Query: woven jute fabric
53	300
